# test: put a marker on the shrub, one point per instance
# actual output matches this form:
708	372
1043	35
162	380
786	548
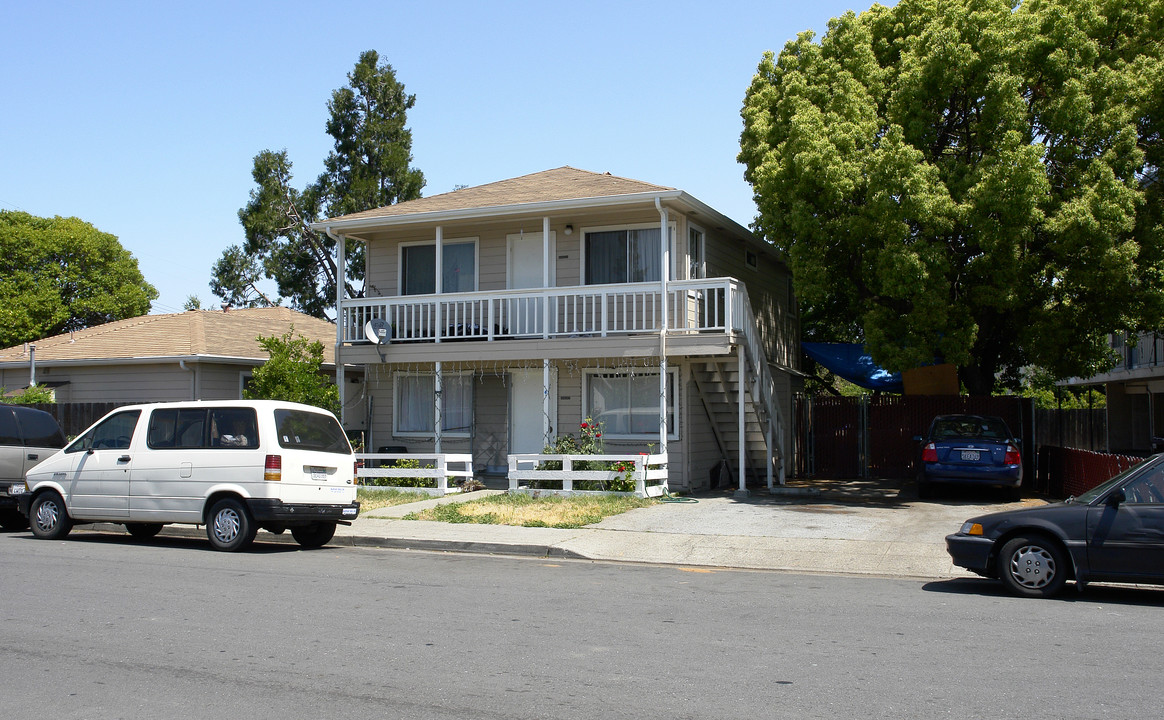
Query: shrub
588	442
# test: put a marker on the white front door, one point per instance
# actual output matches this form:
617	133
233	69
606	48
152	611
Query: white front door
524	268
527	412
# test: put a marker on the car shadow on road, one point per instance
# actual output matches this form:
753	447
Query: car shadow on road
1106	594
265	543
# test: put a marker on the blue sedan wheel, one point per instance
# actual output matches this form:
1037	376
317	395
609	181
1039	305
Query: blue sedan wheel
1033	566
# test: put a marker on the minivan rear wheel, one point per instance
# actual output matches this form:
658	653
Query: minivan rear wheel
48	518
313	535
229	526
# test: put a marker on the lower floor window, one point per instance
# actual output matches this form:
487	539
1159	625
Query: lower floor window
416	404
626	405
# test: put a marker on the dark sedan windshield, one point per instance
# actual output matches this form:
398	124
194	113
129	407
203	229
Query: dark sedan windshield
1090	496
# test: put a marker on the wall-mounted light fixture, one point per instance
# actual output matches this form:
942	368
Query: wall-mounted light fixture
569	229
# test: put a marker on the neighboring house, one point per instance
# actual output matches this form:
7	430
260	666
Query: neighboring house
194	355
514	311
1135	393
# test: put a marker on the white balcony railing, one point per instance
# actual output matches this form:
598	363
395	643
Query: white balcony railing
709	305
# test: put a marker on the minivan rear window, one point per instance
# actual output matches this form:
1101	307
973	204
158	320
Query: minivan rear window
310	431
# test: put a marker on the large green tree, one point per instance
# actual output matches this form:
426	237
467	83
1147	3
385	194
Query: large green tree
973	180
368	167
61	274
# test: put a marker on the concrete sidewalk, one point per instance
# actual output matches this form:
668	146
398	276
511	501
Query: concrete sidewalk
856	527
873	532
852	527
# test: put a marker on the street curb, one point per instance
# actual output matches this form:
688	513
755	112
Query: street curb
459	546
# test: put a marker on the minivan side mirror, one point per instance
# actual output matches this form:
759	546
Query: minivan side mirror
1116	498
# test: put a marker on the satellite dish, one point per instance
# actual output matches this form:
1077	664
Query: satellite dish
378	331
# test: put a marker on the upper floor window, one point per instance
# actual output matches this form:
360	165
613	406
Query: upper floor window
458	267
696	269
624	255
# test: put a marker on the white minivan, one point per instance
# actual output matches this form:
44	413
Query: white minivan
233	466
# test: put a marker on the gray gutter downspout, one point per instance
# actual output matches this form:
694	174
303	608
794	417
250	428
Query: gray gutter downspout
664	233
340	273
193	378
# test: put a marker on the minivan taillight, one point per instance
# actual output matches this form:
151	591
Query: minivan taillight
930	453
273	468
1012	456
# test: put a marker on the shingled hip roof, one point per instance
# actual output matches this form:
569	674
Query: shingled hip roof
560	184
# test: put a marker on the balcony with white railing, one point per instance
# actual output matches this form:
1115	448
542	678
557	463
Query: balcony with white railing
693	306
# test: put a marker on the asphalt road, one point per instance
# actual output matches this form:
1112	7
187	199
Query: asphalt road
99	626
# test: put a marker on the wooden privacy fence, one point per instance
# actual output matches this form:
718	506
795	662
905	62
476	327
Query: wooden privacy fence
1064	472
74	418
865	436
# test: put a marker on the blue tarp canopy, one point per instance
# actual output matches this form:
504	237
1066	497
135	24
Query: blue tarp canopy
850	361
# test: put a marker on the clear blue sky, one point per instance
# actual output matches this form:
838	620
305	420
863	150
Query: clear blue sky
143	118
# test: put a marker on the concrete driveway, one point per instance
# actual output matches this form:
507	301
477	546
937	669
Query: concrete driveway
859	526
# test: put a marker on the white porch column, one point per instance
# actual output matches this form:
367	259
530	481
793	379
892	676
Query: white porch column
743	430
547	421
664	271
438	407
440	281
546	280
340	273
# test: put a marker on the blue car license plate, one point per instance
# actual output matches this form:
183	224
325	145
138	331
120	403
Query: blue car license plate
971	455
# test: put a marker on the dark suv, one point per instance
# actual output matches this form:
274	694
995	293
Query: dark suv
27	436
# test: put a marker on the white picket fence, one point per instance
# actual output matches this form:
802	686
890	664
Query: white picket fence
440	470
650	473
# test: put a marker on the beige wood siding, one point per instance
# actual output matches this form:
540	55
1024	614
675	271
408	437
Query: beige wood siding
162	382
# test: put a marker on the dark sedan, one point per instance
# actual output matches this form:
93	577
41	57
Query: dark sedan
969	450
1113	533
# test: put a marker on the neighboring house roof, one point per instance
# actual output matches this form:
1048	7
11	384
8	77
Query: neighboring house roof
196	334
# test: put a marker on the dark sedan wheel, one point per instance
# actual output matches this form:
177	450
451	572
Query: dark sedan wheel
48	518
1033	566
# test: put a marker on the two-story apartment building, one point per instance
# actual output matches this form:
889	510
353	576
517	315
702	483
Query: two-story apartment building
496	317
1135	393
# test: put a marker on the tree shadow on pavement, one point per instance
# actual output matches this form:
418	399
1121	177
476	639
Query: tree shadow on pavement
864	492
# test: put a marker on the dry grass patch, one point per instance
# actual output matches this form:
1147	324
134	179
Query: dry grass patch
527	511
374	499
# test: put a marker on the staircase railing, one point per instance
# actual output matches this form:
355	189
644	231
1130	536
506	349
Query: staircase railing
764	385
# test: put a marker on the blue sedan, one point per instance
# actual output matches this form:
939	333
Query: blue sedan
970	449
